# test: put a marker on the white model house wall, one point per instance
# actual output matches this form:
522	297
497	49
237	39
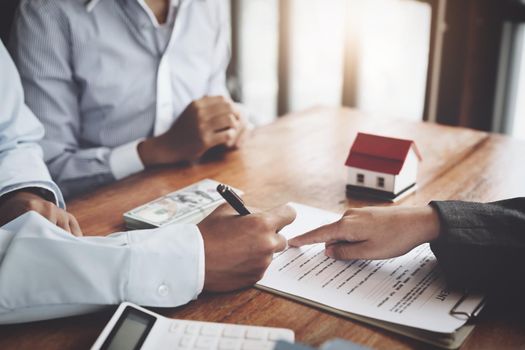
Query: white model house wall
408	174
371	179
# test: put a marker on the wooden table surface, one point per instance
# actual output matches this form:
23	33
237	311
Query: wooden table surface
300	158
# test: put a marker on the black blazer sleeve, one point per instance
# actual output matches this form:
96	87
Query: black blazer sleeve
482	246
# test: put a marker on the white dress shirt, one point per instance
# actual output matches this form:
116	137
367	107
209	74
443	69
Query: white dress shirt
102	75
45	272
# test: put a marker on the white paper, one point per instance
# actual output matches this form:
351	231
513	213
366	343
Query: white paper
409	290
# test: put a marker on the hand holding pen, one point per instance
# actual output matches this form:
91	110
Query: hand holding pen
239	248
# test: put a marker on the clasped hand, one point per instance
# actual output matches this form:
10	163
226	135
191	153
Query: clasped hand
204	124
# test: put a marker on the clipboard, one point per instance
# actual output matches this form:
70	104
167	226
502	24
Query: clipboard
443	340
444	322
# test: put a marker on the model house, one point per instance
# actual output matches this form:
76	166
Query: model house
382	167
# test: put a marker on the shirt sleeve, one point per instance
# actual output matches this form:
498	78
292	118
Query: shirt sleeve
41	47
481	246
46	272
125	160
20	155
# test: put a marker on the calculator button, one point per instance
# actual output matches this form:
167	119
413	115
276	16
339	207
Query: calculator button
192	328
233	332
229	344
205	343
257	345
211	330
278	334
256	333
186	341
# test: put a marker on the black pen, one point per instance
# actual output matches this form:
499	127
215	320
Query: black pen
233	199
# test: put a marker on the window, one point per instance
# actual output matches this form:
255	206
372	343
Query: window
393	41
381	182
509	111
257	33
360	178
518	109
391	49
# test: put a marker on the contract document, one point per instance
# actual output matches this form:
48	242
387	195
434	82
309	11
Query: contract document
407	294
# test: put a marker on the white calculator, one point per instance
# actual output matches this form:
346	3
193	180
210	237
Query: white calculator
133	327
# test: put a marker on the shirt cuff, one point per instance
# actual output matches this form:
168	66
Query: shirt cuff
166	266
55	194
125	160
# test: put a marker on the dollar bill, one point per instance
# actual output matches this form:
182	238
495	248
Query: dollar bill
187	205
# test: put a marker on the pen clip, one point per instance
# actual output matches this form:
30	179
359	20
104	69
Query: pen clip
235	195
455	312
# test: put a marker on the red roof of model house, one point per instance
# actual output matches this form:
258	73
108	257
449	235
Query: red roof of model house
379	153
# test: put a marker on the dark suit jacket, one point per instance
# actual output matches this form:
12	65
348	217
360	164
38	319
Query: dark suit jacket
482	246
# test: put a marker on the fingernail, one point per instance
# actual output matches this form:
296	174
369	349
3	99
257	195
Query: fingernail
329	252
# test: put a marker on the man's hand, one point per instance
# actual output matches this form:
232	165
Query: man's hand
21	201
375	233
240	248
204	124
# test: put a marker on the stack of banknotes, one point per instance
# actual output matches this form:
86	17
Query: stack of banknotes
188	205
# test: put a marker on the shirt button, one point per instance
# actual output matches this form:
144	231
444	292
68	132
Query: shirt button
163	290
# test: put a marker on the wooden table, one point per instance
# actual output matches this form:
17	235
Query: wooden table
300	158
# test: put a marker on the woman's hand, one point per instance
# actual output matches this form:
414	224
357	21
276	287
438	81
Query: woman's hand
375	233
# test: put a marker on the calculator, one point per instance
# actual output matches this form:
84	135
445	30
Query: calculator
133	327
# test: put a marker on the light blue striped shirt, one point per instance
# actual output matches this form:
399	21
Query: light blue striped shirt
101	79
21	164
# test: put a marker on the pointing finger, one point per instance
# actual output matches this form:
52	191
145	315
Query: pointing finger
327	233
